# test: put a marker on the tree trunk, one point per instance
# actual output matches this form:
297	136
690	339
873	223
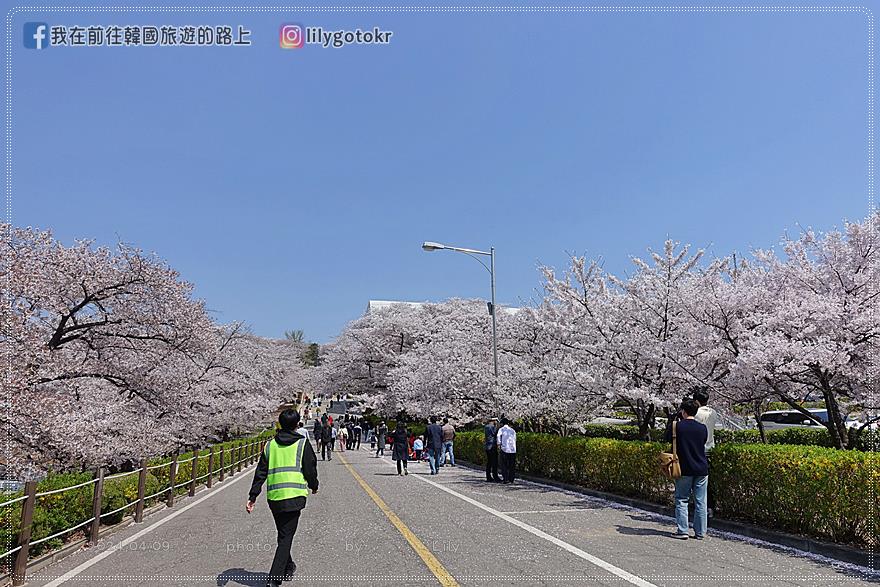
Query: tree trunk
761	430
646	419
836	427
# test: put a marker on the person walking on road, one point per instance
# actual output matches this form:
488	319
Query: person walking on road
434	441
490	443
316	434
400	447
381	432
418	447
289	468
506	438
327	442
356	438
690	440
349	435
342	437
448	431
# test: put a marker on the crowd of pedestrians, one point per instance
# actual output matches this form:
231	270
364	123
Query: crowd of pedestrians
288	465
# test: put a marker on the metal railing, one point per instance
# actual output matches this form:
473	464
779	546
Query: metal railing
239	454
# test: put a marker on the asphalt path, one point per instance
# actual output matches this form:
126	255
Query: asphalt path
367	525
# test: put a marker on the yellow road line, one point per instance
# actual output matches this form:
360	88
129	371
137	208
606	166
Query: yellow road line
445	578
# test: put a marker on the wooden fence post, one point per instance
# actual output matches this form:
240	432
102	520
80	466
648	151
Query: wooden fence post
24	533
142	490
222	467
172	474
96	506
240	458
195	469
210	467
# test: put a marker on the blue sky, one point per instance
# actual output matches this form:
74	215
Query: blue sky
291	186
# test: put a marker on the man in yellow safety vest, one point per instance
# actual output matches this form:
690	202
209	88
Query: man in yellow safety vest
289	467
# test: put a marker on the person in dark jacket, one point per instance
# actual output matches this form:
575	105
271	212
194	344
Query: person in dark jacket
381	431
327	441
490	443
286	490
690	441
316	434
400	447
434	444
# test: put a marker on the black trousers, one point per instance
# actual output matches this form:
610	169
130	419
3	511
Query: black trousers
327	450
492	465
400	463
508	466
285	523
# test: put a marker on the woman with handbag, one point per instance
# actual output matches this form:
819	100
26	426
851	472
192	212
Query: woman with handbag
688	439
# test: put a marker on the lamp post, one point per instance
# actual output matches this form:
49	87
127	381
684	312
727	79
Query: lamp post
432	246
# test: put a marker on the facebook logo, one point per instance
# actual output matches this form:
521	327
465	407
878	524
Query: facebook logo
36	35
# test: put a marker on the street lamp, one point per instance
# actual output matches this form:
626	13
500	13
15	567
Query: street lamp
432	246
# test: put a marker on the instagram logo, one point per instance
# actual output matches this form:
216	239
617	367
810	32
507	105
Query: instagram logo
291	36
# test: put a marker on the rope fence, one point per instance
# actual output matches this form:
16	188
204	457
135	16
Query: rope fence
117	510
65	531
12	501
118	475
83	484
223	460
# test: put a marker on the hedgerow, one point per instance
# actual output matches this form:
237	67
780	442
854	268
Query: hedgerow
825	493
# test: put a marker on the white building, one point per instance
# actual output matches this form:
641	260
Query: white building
376	305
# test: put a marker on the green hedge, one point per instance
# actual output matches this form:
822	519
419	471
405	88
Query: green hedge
821	492
55	512
617	466
618	432
868	440
814	491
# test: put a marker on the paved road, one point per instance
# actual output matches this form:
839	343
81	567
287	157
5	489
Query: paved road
369	526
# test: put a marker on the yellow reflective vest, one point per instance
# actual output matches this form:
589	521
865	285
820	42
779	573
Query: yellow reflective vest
285	479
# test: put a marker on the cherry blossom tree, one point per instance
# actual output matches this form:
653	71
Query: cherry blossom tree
811	323
112	359
449	369
359	360
631	338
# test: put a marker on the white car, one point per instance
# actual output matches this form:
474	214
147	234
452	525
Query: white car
781	419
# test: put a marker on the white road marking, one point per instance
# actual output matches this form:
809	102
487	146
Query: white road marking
118	547
626	576
561	511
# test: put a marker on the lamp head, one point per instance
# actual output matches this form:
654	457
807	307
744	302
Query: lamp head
430	246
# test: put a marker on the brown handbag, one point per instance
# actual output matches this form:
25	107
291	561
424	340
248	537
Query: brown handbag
669	465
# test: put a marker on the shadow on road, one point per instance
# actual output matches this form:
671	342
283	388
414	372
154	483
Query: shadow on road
240	576
644	531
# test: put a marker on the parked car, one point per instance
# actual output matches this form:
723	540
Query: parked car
613	421
781	419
